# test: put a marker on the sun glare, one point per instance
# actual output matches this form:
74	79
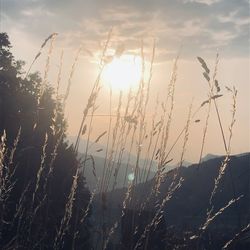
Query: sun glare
123	72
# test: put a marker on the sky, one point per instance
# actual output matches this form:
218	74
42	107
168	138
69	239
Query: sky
191	27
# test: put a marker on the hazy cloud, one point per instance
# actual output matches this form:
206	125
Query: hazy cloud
201	25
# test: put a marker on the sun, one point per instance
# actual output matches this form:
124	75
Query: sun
123	73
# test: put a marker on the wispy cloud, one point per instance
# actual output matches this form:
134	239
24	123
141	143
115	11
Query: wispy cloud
201	25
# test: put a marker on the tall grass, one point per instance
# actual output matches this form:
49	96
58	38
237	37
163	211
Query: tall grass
129	129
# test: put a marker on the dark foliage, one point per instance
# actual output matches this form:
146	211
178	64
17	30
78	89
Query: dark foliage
133	226
36	181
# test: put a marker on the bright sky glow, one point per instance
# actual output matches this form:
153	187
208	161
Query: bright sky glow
123	73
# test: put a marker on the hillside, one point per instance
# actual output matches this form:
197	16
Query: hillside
186	210
93	174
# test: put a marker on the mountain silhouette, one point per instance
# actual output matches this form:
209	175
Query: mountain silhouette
186	211
94	173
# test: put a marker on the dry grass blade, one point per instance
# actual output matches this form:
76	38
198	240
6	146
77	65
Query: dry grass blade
2	155
40	170
100	136
158	214
93	166
211	219
230	243
15	144
40	51
211	88
48	38
46	72
203	64
94	92
84	129
205	102
228	146
112	230
64	225
216	96
216	84
59	76
205	74
71	76
186	135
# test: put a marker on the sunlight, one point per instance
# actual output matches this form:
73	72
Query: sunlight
123	72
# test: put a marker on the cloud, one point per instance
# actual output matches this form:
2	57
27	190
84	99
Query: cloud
208	2
202	26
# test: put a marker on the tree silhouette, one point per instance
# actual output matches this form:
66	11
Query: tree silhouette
37	166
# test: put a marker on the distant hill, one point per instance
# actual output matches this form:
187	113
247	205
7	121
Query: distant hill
99	150
187	209
93	174
209	157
